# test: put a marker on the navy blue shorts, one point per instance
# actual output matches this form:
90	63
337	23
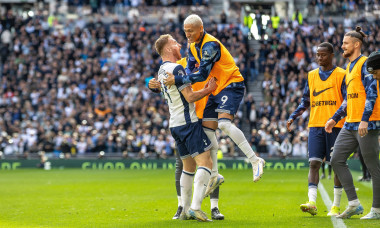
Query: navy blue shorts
191	139
321	143
226	101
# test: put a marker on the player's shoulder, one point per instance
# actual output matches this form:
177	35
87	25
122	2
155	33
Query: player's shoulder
340	70
169	66
312	72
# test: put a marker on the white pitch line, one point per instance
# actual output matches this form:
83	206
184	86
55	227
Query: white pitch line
337	223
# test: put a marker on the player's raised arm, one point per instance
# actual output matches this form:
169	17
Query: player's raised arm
192	96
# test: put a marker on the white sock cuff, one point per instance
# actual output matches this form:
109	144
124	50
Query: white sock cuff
224	120
188	173
205	168
353	203
208	129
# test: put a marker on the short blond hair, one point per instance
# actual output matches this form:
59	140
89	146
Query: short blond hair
193	19
161	42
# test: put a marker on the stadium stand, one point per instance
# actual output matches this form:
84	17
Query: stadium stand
75	83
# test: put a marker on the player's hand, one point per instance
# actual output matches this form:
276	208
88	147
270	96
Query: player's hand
154	84
211	84
329	125
288	125
363	128
169	81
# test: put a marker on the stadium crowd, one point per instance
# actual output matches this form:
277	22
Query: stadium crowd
76	86
284	59
79	85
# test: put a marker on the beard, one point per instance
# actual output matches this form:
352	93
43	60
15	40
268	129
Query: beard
347	54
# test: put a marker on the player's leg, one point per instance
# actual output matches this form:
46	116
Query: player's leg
338	188
369	146
364	167
316	146
210	124
323	176
216	179
228	103
178	172
330	171
344	145
188	169
214	199
198	145
201	179
187	178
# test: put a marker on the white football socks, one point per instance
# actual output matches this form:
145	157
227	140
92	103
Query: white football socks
179	201
186	189
238	137
312	193
214	150
202	176
354	203
214	203
337	196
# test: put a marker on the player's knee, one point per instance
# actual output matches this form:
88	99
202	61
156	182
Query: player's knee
224	126
315	165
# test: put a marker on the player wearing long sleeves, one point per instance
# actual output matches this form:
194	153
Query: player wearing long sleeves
362	108
324	92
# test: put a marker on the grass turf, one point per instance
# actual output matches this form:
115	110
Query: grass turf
147	198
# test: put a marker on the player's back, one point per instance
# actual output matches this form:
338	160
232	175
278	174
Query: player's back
181	111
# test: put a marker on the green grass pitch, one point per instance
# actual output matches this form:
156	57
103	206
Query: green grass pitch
147	198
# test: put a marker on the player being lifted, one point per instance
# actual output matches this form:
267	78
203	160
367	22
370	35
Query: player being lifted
324	92
193	144
215	61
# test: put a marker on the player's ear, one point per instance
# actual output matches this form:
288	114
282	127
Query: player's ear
168	49
357	43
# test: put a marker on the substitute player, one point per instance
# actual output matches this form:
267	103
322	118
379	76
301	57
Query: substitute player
361	128
215	61
193	144
216	179
324	92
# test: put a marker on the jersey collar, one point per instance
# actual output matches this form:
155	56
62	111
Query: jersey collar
198	45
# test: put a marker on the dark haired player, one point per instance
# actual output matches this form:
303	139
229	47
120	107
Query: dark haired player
324	93
362	108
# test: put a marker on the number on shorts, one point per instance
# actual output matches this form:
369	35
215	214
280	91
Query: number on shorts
224	99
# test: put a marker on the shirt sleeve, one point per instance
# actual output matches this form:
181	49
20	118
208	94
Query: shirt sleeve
190	62
180	71
341	112
343	88
305	103
370	85
210	54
